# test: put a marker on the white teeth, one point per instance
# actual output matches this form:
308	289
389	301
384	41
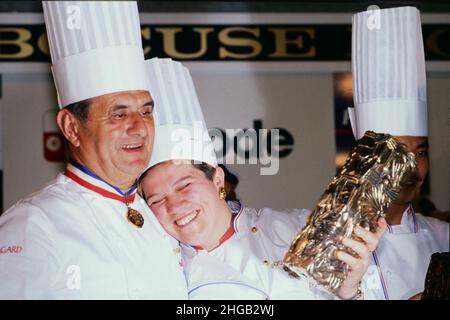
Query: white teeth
131	146
187	219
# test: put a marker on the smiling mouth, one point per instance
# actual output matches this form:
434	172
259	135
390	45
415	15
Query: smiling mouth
187	219
132	147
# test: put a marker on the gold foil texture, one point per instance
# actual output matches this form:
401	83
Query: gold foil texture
359	194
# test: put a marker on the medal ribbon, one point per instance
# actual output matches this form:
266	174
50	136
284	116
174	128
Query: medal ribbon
125	197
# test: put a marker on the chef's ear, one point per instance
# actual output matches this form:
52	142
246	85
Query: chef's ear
69	126
219	178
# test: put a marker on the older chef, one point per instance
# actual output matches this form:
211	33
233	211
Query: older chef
87	235
228	254
389	82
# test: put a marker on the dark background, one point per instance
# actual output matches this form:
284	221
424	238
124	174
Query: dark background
436	6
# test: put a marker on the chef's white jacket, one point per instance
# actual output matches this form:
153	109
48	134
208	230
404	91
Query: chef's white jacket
400	262
248	264
68	242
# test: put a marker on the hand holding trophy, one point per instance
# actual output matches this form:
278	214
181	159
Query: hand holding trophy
343	226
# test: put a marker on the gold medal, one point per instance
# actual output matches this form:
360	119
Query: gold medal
135	217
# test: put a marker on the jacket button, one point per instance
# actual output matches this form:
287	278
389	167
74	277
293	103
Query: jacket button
266	263
254	229
176	250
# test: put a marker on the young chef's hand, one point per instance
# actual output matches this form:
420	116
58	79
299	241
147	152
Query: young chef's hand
359	263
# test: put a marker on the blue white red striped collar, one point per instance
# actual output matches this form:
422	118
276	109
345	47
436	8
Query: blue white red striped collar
86	178
236	210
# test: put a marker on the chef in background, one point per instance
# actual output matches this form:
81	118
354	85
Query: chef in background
389	83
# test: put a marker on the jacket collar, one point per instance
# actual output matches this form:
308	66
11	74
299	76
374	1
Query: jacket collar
408	223
236	210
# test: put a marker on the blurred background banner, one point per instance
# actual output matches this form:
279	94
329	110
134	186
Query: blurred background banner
267	68
231	41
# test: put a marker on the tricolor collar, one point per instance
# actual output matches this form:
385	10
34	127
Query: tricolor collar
86	178
236	211
228	234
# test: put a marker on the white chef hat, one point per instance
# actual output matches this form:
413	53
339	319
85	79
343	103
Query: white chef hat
95	47
180	129
388	67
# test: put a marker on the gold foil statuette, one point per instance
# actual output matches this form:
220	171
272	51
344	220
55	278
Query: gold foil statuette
359	194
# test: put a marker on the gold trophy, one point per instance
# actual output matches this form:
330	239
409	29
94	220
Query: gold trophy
359	194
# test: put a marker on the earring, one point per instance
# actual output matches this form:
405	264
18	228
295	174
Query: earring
222	193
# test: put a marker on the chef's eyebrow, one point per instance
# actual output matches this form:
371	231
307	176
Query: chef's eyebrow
121	106
173	184
423	145
149	103
181	179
